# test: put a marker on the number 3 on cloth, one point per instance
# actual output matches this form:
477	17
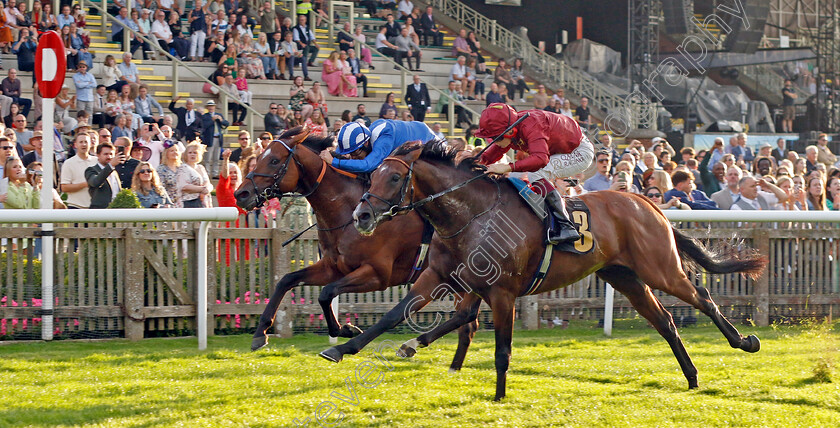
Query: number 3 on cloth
583	244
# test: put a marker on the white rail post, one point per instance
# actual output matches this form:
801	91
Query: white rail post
609	294
334	304
47	252
201	304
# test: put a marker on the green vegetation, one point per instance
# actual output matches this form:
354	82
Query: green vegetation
125	199
572	377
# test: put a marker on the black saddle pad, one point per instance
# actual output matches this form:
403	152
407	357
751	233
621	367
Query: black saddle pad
579	214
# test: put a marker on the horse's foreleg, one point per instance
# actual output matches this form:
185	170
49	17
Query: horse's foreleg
464	319
361	280
640	296
418	297
316	274
502	304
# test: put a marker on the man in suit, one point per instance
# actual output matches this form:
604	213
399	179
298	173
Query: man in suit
306	42
213	126
189	123
418	100
103	182
780	152
729	194
146	106
428	28
749	199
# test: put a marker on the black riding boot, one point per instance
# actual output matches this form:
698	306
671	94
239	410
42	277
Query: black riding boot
565	230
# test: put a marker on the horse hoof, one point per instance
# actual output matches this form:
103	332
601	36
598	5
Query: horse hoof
692	383
349	330
259	343
752	344
453	370
332	355
406	351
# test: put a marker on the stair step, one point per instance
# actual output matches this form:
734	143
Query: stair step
147	77
169	94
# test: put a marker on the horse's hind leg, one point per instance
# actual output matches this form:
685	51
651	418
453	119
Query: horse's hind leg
675	283
627	283
465	320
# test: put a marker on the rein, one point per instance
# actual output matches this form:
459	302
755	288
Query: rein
395	207
273	191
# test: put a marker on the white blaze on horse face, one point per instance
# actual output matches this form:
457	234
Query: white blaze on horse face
266	153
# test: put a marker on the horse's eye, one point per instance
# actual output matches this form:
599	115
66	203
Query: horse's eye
395	178
275	161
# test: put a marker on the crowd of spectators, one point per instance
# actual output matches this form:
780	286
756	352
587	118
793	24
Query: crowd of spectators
726	177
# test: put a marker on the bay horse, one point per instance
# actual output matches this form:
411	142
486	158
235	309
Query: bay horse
494	258
350	262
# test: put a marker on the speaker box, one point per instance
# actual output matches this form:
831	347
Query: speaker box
743	40
677	14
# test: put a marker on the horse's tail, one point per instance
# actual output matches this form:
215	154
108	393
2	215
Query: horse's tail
694	253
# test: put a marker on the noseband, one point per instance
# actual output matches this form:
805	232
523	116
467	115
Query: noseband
273	191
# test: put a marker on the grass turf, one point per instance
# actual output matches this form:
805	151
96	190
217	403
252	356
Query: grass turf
572	377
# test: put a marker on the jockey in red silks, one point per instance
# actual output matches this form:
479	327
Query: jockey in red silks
556	148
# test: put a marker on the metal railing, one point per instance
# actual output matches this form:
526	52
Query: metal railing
224	96
404	78
553	73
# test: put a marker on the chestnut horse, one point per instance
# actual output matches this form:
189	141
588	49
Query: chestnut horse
350	263
495	259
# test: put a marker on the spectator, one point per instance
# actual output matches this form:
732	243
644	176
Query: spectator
198	30
360	37
189	125
230	179
234	101
269	19
171	169
48	21
25	50
149	144
453	93
725	197
64	104
405	7
269	59
292	54
392	28
129	72
35	177
713	181
122	126
683	190
73	181
560	95
780	152
125	169
412	33
19	193
686	153
306	41
582	113
345	39
832	194
245	148
436	129
541	98
102	180
36	141
788	106
387	48
315	98
354	69
272	121
460	47
100	99
361	113
316	123
418	99
220	23
332	75
518	77
213	126
22	135
389	104
824	155
145	106
161	31
193	182
117	29
112	76
10	87
567	109
602	179
655	195
811	159
408	49
749	199
145	183
85	83
742	141
428	28
494	96
65	18
263	141
816	194
459	73
242	87
622	181
607	146
763	166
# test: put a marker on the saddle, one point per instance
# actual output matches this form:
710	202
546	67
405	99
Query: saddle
578	213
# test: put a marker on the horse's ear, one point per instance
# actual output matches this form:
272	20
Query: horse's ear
414	154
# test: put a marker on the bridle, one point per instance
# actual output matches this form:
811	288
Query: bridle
396	208
273	191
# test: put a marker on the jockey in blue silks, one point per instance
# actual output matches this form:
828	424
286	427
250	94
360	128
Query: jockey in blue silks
367	148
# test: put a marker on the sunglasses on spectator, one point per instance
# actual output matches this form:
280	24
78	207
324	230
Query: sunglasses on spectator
243	138
654	195
20	120
265	138
36	173
145	171
603	160
7	147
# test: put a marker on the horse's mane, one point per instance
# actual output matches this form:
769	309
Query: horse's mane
316	144
440	152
